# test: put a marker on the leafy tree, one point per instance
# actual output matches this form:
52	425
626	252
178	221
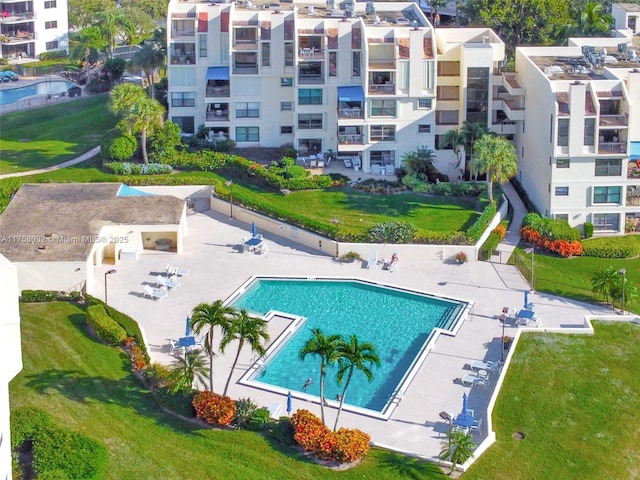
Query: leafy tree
86	45
206	317
156	9
109	23
435	5
149	59
630	290
353	355
326	348
165	140
136	27
604	282
82	13
591	20
496	157
456	139
458	447
245	329
184	370
115	66
419	162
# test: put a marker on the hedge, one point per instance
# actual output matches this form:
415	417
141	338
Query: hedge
57	452
612	247
43	296
104	326
128	168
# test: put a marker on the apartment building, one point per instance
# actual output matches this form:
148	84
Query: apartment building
579	140
361	80
31	27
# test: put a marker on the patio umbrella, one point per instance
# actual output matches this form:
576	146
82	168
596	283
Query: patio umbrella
253	229
464	403
289	403
187	330
526	298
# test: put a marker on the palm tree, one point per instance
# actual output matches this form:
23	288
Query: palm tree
325	347
354	355
435	4
419	162
205	317
85	45
496	157
472	131
604	282
123	97
457	139
146	115
458	447
185	370
591	20
244	328
149	59
109	23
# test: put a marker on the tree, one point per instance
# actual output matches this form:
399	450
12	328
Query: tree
458	447
353	355
245	329
85	45
496	157
472	131
591	20
456	139
82	13
419	162
604	282
109	23
149	59
185	370
136	27
206	317
156	9
326	348
115	66
435	5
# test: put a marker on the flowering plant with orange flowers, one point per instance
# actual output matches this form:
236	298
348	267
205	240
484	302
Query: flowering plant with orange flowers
214	408
564	248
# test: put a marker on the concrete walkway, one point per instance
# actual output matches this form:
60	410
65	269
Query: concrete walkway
509	243
85	156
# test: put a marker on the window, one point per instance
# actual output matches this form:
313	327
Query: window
244	36
382	157
563	162
202	45
562	191
608	167
448	93
563	132
309	121
424	103
309	146
333	64
385	133
52	45
606	194
288	54
266	54
606	221
425	128
183	99
50	4
589	131
447	117
186	124
383	108
355	63
52	24
310	96
448	69
247	134
288	130
286	82
286	106
247	61
247	110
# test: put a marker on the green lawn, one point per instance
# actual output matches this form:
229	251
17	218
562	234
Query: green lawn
46	136
576	398
88	387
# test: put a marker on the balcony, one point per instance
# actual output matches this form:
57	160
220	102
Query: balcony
633	170
512	86
513	110
351	112
17	17
183	59
614	120
633	196
178	15
612	147
218	116
350	138
22	37
310	73
306	53
245	69
387	88
218	91
183	35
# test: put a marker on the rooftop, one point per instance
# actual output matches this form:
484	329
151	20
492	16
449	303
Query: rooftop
629	7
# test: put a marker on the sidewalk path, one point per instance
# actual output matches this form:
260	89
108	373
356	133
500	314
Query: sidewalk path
85	156
508	244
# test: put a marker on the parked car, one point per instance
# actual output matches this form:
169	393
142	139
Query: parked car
74	91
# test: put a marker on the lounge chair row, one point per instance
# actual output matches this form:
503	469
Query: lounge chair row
480	373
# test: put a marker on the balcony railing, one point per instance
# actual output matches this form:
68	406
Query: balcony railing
612	147
633	196
633	170
382	89
350	113
183	59
218	116
348	138
14	17
183	34
306	53
246	69
245	46
218	91
183	15
23	37
614	120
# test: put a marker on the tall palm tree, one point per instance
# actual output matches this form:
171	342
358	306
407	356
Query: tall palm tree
245	329
109	23
325	347
457	139
419	162
458	447
472	131
146	115
184	370
353	355
591	19
206	317
605	282
123	97
86	45
496	157
149	59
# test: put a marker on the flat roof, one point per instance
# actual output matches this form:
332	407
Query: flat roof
629	7
45	214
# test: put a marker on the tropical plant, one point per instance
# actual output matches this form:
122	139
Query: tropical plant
461	257
419	162
109	23
213	408
472	132
185	370
86	45
456	139
245	329
326	348
149	59
604	282
352	355
206	317
435	5
591	20
496	157
458	447
136	27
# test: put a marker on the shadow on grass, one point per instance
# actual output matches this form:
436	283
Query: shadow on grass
409	467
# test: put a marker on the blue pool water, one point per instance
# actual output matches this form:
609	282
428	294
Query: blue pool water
12	95
127	191
397	322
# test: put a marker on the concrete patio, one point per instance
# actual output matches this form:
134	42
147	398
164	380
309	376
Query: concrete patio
218	267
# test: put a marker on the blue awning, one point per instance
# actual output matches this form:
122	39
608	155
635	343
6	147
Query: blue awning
351	94
635	151
218	73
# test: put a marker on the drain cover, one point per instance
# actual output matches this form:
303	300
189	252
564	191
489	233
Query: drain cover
518	436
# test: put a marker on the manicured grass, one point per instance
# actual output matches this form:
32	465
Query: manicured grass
88	387
46	136
576	398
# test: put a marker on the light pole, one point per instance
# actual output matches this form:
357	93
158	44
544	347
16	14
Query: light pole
623	272
532	251
108	272
505	311
229	183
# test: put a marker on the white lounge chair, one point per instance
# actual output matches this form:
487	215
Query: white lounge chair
472	380
262	248
154	293
488	366
373	260
375	169
171	282
274	410
476	425
180	272
347	163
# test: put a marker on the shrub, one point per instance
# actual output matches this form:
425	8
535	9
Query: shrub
475	231
245	408
104	326
128	168
156	375
213	408
259	419
40	296
309	430
392	232
179	402
138	357
461	257
561	247
612	247
588	229
501	231
282	431
350	445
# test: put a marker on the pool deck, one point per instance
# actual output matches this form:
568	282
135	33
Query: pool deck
217	268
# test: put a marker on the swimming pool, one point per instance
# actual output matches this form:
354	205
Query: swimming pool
12	95
400	323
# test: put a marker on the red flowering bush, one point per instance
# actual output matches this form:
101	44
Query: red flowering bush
138	358
501	231
214	409
564	248
345	445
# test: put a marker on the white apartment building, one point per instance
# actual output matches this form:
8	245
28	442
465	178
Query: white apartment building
10	356
372	79
579	141
31	27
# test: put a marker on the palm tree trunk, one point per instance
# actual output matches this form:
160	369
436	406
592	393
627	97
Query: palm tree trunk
211	371
143	141
233	367
490	187
344	394
322	375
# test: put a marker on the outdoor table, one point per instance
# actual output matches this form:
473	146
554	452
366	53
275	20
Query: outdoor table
528	314
253	242
186	342
464	420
